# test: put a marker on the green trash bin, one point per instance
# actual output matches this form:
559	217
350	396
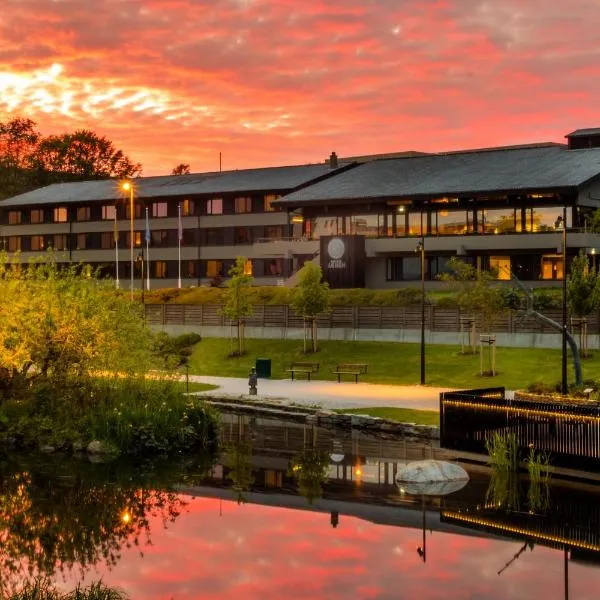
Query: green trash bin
263	367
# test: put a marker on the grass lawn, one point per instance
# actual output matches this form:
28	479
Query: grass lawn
402	415
392	363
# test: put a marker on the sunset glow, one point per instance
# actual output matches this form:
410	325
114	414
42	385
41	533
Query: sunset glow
270	82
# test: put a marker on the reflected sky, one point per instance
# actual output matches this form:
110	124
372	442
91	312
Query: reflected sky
221	549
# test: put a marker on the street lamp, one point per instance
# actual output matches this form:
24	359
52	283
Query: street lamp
564	303
128	187
140	259
421	248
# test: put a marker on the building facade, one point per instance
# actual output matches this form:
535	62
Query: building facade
500	208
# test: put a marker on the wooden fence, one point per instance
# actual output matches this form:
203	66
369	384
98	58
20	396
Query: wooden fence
352	317
568	431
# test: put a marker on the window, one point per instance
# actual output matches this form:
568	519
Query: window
188	208
107	240
367	225
214	206
109	212
160	269
501	265
159	210
137	211
59	241
60	214
190	237
14	243
213	236
243	205
137	239
393	269
36	216
414	223
498	221
14	217
451	222
159	238
411	268
546	219
189	269
83	213
214	268
274	232
269	198
248	267
242	235
81	241
552	266
274	267
37	243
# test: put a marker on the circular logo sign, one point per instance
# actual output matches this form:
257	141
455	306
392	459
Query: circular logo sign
336	248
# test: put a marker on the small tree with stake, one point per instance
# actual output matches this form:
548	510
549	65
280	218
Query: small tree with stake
237	305
310	297
583	294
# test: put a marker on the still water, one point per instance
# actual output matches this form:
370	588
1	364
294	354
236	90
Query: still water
291	511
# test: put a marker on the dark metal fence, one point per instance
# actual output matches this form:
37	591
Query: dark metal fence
353	317
568	430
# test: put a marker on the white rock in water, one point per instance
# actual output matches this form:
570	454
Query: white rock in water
431	478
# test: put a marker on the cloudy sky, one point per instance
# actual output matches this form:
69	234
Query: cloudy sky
272	82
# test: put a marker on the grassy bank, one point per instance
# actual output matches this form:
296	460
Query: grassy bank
401	415
391	363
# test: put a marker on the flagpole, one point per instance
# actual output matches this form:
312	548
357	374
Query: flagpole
179	236
147	251
116	238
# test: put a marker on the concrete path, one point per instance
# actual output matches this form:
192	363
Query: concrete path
330	394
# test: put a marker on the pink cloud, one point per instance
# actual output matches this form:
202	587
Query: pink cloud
270	82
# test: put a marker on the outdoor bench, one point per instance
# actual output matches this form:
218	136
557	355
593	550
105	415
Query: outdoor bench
306	368
355	369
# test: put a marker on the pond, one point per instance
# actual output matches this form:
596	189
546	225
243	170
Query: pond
290	510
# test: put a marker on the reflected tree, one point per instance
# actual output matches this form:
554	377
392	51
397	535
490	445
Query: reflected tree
238	459
310	470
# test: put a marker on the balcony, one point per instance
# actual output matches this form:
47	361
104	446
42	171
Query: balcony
284	247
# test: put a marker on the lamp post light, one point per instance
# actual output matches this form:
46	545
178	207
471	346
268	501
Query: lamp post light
421	248
128	187
564	303
140	259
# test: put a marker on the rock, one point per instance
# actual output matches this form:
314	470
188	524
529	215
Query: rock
431	478
100	447
78	446
47	449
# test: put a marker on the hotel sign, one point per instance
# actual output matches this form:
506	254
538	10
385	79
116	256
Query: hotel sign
343	260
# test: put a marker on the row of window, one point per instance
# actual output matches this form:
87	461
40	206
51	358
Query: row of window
159	238
401	222
156	210
198	269
528	267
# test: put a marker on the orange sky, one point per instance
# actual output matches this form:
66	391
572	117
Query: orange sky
271	82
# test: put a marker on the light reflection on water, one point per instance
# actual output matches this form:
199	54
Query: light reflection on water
290	511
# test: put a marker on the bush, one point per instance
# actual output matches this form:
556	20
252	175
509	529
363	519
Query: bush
513	298
547	300
173	351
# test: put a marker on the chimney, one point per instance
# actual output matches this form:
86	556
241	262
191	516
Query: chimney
333	161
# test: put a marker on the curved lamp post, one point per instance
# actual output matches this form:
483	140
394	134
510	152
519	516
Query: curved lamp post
127	186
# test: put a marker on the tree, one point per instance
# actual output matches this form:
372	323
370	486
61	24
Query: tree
476	293
583	294
81	155
18	141
309	298
181	169
236	303
58	323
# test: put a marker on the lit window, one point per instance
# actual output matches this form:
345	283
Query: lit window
190	268
14	243
214	268
187	208
160	269
108	212
14	217
137	239
248	267
552	266
501	265
159	210
36	216
243	205
83	213
60	215
214	206
269	198
37	243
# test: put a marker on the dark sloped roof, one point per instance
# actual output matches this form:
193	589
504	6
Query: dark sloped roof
247	180
452	174
584	132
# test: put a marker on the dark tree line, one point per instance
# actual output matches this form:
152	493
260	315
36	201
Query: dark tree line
29	160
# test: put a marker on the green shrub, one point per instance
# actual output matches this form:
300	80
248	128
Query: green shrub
547	300
409	296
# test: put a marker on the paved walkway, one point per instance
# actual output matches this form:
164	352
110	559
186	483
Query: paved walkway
330	394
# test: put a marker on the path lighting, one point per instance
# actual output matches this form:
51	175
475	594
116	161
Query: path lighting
127	186
421	249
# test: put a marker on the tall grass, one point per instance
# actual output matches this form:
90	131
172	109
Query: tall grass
43	589
503	451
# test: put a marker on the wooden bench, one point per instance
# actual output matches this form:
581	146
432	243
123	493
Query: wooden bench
355	369
305	368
